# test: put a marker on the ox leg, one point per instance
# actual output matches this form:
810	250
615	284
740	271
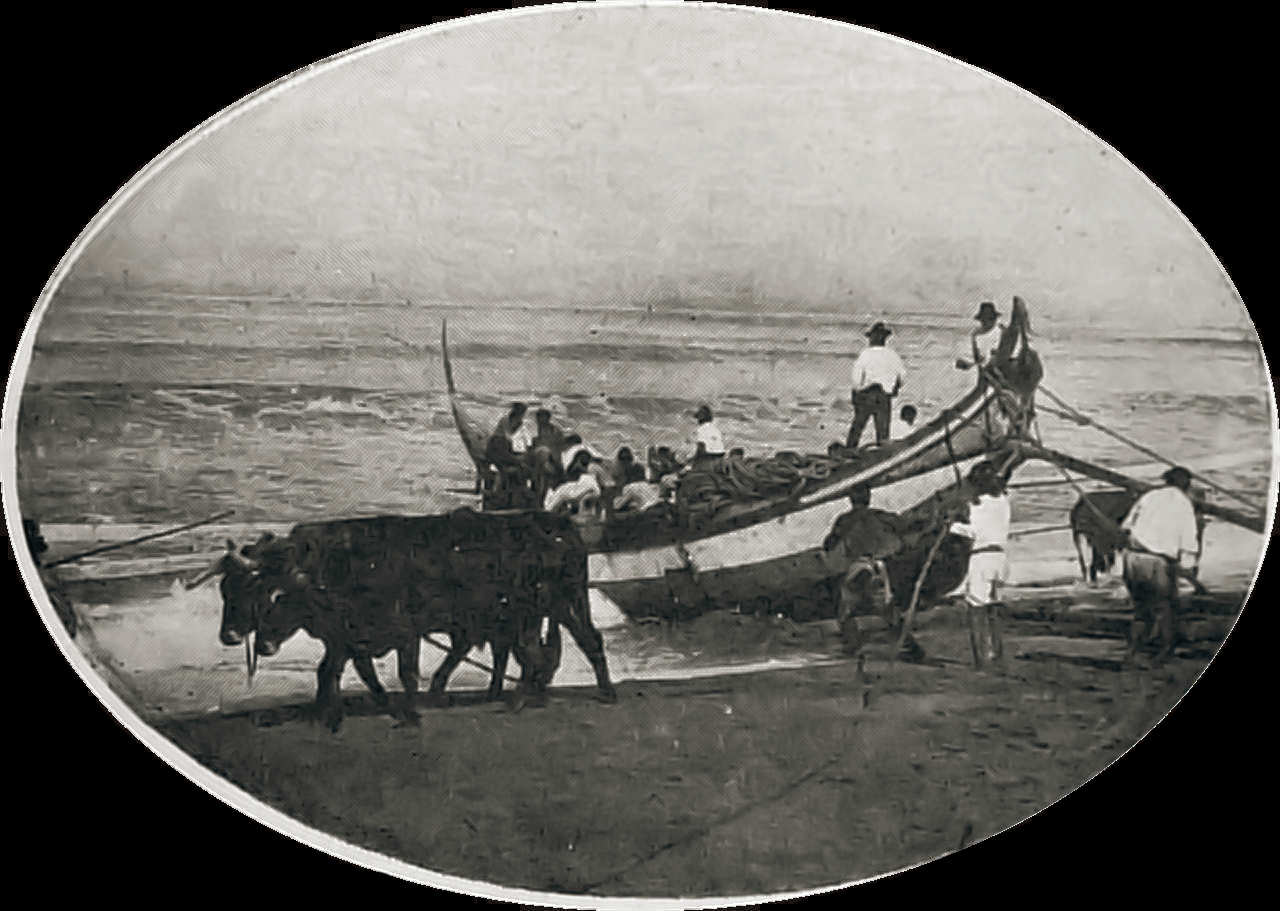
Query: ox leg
369	676
500	646
329	687
459	645
407	665
591	642
1084	570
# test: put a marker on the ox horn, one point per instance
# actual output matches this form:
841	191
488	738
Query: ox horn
216	568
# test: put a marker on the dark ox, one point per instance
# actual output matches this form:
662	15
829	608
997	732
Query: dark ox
1102	536
366	586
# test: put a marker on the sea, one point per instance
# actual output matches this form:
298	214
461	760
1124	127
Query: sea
152	409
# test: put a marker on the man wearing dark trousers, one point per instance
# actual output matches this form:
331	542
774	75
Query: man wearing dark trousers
877	378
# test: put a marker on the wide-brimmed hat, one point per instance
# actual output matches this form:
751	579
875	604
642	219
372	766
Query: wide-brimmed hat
1177	476
986	308
879	330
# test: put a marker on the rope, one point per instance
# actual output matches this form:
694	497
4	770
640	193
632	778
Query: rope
473	663
707	489
1107	522
1083	419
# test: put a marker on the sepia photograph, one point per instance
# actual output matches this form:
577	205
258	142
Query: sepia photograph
635	455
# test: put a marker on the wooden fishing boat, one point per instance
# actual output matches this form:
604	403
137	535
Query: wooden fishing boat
769	551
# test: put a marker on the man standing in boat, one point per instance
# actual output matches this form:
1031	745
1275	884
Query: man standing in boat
1162	542
877	378
505	452
985	337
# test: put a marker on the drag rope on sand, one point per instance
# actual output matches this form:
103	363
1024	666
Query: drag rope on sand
701	831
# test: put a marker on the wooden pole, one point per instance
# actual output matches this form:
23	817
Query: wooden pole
150	537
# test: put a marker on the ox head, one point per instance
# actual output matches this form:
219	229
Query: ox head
283	613
246	587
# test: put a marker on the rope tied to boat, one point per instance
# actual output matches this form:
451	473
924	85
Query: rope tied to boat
1079	417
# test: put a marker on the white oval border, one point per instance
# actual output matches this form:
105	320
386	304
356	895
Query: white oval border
259	812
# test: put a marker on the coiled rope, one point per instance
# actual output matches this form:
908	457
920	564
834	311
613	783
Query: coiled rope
705	490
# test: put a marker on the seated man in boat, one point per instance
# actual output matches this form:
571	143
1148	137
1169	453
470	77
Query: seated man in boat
546	434
579	493
708	441
638	492
508	483
1162	542
904	424
545	468
988	527
513	427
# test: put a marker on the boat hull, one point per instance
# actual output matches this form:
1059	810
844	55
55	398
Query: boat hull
779	565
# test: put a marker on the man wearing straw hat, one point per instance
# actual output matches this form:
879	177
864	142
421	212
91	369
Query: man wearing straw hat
877	378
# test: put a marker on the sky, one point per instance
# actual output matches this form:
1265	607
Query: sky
624	155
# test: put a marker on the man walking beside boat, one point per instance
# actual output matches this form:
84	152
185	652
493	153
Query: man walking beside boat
1162	542
988	527
877	378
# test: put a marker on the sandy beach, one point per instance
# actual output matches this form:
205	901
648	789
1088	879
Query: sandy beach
722	785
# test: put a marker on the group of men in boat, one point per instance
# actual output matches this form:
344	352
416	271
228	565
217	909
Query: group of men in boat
546	468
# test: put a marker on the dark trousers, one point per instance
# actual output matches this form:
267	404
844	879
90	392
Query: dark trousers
872	403
1152	581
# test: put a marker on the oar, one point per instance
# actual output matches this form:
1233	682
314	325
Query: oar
138	540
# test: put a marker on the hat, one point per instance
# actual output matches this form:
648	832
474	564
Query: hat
703	413
986	308
879	329
1177	476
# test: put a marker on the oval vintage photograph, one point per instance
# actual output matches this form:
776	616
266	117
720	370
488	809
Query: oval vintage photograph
595	453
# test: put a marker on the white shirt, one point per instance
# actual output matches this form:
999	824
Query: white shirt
877	364
571	492
986	342
988	523
709	436
1164	521
522	439
638	494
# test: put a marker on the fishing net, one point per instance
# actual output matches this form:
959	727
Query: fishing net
707	489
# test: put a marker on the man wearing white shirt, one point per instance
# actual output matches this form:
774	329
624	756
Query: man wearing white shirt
877	378
985	337
1163	538
988	528
708	441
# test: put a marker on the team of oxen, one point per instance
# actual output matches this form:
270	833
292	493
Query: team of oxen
365	587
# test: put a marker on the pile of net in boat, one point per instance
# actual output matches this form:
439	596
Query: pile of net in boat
707	489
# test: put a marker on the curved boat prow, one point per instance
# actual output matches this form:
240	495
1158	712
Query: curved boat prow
473	436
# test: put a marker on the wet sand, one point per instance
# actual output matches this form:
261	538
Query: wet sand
746	784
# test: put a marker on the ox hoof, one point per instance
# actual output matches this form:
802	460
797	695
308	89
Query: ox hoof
608	697
409	719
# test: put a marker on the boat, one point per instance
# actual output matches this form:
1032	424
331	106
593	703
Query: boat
768	552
